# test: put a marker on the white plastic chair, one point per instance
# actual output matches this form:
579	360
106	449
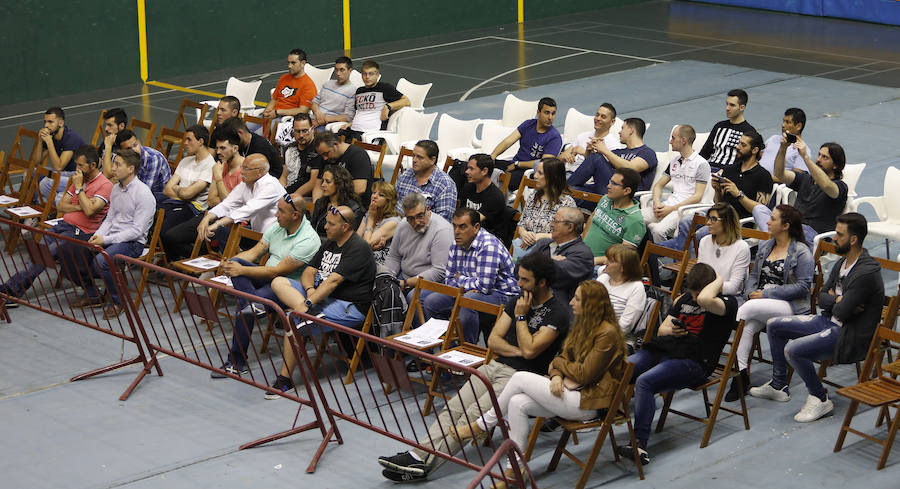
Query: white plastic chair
454	135
415	93
515	112
319	75
244	91
887	207
851	178
411	125
356	78
575	124
662	162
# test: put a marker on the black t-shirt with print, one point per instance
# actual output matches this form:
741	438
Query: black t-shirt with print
308	160
490	203
355	262
356	161
752	182
554	314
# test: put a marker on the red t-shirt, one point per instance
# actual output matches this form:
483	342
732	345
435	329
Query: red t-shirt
101	187
291	92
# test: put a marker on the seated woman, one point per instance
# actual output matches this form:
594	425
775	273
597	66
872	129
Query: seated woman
337	190
724	249
581	376
779	285
551	193
378	225
685	350
623	280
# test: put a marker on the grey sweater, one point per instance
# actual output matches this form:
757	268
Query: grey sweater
421	255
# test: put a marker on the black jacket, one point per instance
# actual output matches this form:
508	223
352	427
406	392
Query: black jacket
577	267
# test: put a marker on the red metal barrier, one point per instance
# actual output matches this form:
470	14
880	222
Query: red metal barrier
48	291
382	398
201	331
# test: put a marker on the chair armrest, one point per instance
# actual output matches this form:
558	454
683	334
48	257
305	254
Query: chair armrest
390	138
820	237
692	208
877	203
334	126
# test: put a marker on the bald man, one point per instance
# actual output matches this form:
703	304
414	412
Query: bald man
573	259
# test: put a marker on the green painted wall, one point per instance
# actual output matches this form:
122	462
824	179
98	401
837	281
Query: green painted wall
535	9
410	20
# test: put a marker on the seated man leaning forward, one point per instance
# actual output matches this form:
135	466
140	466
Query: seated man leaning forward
573	259
291	244
480	265
336	284
850	303
525	339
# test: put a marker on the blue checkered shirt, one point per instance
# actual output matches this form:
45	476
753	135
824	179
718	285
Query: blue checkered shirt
439	186
485	266
155	170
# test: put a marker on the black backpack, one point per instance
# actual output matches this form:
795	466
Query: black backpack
388	305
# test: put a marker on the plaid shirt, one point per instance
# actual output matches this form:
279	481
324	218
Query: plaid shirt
484	267
439	186
154	171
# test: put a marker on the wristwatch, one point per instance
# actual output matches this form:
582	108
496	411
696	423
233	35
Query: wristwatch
78	191
309	303
740	195
520	318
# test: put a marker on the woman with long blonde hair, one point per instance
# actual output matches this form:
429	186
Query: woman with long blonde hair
581	378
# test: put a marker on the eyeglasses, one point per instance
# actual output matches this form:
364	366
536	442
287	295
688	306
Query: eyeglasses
287	198
714	219
417	217
617	184
335	210
246	170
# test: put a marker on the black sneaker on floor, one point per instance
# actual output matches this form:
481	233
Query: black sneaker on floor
403	462
401	478
228	367
282	384
627	453
550	426
12	304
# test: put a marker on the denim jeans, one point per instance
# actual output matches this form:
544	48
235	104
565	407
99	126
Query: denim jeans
654	373
440	306
337	311
813	339
246	322
133	249
67	255
684	227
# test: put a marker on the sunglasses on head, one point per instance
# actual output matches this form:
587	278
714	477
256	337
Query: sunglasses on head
335	210
287	198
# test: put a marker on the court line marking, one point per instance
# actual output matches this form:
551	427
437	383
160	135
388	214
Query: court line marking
488	80
608	53
870	74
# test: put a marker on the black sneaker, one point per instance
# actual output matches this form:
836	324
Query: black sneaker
627	453
550	426
403	462
12	304
733	393
228	367
401	478
282	384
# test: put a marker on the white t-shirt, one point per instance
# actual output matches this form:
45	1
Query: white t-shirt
685	175
732	263
610	140
628	300
190	171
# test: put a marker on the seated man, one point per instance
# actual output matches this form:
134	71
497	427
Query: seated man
85	205
685	351
480	265
537	139
123	231
480	193
114	120
821	192
720	149
373	105
525	338
421	244
187	190
585	142
571	257
291	244
335	102
349	157
617	218
850	303
229	106
252	200
600	165
294	91
251	143
302	165
794	122
154	170
58	144
336	284
689	174
426	178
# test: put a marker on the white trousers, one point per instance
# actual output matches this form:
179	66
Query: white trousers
755	313
661	229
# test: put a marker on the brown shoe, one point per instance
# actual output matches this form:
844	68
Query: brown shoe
86	301
112	311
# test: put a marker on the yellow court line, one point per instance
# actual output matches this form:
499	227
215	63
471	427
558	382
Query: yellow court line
194	90
347	26
521	13
142	39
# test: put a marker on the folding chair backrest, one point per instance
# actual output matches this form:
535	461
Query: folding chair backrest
455	329
661	251
699	220
399	167
182	121
588	196
168	139
15	166
504	182
416	305
266	124
238	233
375	148
150	127
21	148
519	202
98	129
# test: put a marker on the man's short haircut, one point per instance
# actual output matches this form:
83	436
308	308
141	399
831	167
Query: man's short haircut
370	63
483	162
118	114
233	124
303	116
430	147
549	102
687	132
344	60
856	225
200	132
699	277
412	200
57	111
575	216
541	265
639	126
474	216
630	179
232	102
608	106
125	135
740	94
230	137
89	152
130	158
798	116
756	141
299	53
327	138
836	152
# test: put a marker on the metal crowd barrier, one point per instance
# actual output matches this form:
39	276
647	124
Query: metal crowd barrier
200	333
382	398
57	285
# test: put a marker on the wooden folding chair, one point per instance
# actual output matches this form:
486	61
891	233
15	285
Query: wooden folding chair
21	148
182	120
698	221
42	208
375	148
448	163
98	129
232	247
18	162
147	256
13	166
150	127
681	257
267	131
399	168
588	196
519	201
504	182
617	413
167	140
719	381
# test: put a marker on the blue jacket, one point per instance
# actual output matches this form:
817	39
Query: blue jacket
798	275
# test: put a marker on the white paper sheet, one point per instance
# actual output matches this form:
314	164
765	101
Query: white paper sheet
202	263
224	280
6	199
23	211
53	222
461	358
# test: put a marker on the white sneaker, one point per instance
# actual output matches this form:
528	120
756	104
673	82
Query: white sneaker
814	409
766	391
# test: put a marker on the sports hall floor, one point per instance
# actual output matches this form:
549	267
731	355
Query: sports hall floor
667	62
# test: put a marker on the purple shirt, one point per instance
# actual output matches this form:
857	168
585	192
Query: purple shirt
533	145
70	141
